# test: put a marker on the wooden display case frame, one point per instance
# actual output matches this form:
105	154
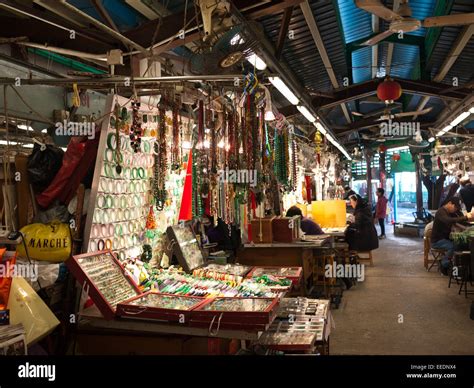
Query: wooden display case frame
128	310
96	295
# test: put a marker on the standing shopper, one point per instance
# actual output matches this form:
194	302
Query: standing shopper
381	210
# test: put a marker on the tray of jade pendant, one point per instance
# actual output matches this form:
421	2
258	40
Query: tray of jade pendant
237	310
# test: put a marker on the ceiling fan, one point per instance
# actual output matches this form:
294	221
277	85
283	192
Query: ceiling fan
388	115
417	144
382	139
378	111
401	21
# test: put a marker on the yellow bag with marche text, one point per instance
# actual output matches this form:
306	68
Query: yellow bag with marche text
46	242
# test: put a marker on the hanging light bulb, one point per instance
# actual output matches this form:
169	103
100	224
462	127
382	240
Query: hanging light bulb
269	115
418	137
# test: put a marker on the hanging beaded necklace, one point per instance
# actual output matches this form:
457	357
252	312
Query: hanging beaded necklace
294	154
136	129
117	154
213	143
161	161
175	145
281	156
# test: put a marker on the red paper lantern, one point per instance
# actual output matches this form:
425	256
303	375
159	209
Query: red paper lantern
382	148
396	157
389	91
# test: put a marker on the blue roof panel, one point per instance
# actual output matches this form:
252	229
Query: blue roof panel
421	9
356	23
405	60
124	16
362	64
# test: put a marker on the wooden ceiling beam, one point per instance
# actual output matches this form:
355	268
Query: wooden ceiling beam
369	88
104	14
282	35
37	33
39	19
270	10
172	25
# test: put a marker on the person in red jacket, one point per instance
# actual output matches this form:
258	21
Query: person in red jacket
381	210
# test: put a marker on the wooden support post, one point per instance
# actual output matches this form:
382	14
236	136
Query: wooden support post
22	189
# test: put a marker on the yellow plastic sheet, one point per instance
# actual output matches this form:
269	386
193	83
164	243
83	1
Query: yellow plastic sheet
329	213
28	308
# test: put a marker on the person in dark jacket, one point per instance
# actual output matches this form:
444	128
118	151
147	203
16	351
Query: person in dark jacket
308	226
467	193
361	234
444	219
348	192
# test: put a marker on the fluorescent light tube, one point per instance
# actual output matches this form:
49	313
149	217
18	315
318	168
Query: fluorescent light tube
447	129
444	130
253	58
306	113
320	127
283	89
256	61
27	127
460	118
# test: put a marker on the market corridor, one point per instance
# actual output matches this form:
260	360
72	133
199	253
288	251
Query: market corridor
435	318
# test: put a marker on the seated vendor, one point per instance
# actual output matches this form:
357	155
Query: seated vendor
361	234
348	192
445	218
309	227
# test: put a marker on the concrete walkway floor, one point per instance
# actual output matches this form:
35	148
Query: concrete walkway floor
400	308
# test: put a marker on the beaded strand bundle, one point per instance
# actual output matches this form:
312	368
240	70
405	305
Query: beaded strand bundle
175	145
136	129
161	161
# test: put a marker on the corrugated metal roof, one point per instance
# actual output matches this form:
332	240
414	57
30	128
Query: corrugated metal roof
463	68
421	9
124	16
362	64
356	23
405	59
301	53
